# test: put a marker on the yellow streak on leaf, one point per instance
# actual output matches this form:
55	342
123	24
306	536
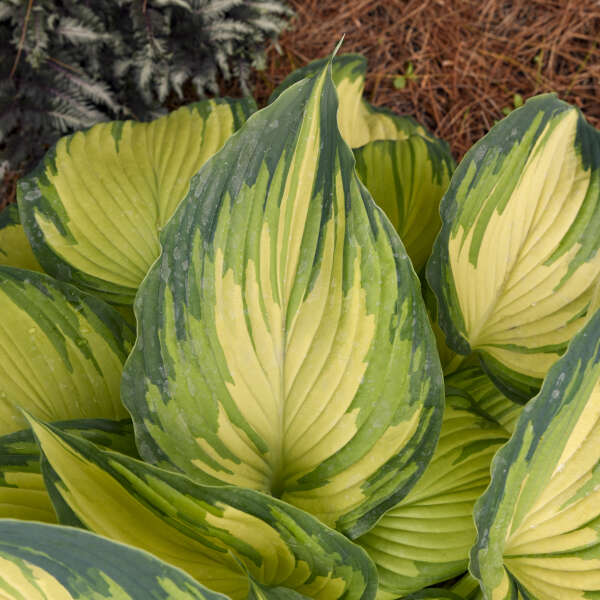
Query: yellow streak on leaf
109	509
16	250
512	296
32	584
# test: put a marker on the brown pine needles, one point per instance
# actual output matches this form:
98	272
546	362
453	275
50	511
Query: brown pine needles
469	57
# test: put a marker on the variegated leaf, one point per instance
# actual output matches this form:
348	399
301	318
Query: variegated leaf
23	494
449	359
407	179
426	538
94	207
283	342
48	562
473	384
15	249
433	594
216	534
261	592
516	261
538	521
467	588
358	121
61	352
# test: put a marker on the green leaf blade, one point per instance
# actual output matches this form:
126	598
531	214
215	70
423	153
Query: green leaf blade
23	494
359	122
218	535
425	539
407	179
536	522
285	321
516	261
93	208
15	249
47	562
62	352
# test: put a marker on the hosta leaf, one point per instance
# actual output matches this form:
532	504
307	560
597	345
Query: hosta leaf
261	592
407	179
93	208
472	383
467	587
516	261
15	249
205	530
433	594
538	521
358	121
23	494
61	352
47	562
449	359
427	536
283	343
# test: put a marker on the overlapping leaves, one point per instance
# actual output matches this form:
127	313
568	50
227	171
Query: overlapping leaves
61	351
516	262
46	562
219	535
359	122
427	536
403	166
93	208
23	494
283	344
537	522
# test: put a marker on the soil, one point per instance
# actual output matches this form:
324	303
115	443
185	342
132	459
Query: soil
463	64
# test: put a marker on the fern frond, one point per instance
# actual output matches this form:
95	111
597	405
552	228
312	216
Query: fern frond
65	64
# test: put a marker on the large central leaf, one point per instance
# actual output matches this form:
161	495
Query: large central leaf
359	122
283	344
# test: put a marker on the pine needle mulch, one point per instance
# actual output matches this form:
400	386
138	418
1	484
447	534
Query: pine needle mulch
465	62
470	59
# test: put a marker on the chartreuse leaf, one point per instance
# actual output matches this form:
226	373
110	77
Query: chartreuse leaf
473	384
261	592
468	588
358	121
407	179
283	343
449	359
93	208
427	536
47	562
516	261
15	249
23	494
205	530
433	594
61	352
538	521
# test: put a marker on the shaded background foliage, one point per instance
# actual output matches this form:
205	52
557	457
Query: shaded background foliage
67	64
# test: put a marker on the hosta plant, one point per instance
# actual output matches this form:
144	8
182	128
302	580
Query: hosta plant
277	423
